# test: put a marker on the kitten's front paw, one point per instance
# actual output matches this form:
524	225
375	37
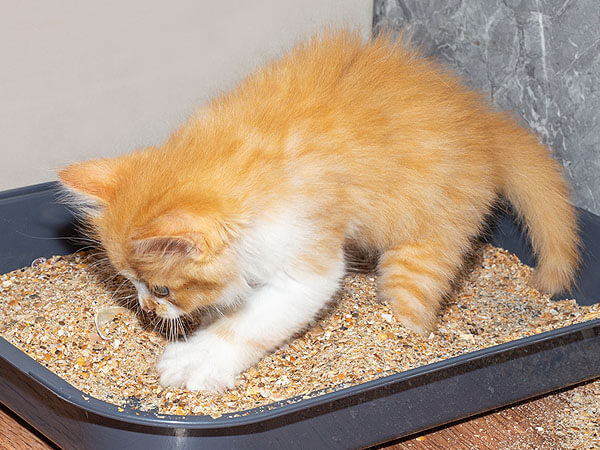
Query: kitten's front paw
204	363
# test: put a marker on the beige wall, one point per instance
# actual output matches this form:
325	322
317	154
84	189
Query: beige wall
82	79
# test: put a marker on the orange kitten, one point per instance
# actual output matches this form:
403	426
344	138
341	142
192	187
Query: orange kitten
247	206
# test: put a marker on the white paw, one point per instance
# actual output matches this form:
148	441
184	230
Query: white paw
205	363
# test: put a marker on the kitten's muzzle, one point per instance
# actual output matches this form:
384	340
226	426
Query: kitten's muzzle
148	304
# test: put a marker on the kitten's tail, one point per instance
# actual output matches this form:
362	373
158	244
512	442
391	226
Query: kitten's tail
533	182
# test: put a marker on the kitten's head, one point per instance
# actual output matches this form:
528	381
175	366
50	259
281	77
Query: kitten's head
170	238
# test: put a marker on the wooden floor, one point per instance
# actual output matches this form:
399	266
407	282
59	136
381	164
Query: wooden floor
527	425
523	426
16	434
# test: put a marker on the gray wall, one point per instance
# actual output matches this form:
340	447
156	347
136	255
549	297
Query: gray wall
83	79
539	59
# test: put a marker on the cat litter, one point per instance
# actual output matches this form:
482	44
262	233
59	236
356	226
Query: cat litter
56	312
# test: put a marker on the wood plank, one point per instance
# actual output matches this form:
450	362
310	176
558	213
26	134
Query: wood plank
527	425
16	434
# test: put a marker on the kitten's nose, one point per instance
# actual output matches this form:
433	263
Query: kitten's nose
146	308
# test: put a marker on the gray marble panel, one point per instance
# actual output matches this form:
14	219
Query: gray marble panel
539	59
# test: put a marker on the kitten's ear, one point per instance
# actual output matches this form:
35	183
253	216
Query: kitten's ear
174	234
181	234
97	179
170	246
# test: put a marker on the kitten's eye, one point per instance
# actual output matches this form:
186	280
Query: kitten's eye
160	291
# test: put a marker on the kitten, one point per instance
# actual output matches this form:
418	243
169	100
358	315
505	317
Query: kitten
247	207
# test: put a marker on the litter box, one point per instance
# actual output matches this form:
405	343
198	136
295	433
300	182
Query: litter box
358	416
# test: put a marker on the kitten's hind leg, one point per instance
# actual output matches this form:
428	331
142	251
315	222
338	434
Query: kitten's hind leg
415	276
